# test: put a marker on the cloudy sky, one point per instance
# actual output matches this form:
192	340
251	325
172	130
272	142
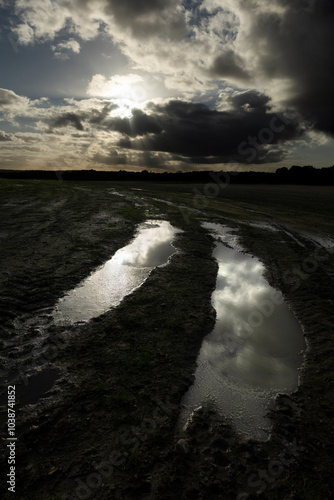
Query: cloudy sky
166	84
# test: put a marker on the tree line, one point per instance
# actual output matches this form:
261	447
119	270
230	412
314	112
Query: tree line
306	175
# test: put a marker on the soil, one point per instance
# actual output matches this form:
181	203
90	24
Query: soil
98	403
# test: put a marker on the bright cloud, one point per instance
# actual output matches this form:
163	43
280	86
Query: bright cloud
63	49
225	63
118	86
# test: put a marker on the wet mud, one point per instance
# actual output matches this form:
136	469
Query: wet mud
99	402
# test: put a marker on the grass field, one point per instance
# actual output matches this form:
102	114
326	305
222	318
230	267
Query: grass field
107	428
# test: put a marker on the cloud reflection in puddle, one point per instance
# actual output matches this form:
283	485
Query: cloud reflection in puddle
119	276
253	352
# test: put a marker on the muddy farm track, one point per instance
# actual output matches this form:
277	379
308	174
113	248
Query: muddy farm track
97	403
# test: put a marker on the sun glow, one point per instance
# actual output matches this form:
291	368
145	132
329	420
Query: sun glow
126	92
125	107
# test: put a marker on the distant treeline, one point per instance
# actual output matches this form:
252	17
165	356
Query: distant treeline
295	175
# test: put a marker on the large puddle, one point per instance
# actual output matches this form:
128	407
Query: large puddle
123	273
253	352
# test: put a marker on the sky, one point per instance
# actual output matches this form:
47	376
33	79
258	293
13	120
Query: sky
166	85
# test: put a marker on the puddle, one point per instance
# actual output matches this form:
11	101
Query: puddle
253	352
119	276
34	388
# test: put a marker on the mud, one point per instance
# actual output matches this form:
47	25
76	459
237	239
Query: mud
106	428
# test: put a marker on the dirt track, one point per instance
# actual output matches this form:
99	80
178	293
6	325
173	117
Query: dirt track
107	429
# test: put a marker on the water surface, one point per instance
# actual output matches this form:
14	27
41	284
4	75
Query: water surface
253	352
123	273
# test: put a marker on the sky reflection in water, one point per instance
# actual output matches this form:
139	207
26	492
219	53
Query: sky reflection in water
125	271
253	351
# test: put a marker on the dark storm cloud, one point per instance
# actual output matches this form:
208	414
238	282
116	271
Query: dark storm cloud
67	119
137	8
139	124
112	158
245	134
145	18
229	65
98	116
299	47
140	18
249	99
142	159
210	50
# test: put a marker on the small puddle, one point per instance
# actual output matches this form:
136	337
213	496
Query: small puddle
124	272
34	388
253	352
